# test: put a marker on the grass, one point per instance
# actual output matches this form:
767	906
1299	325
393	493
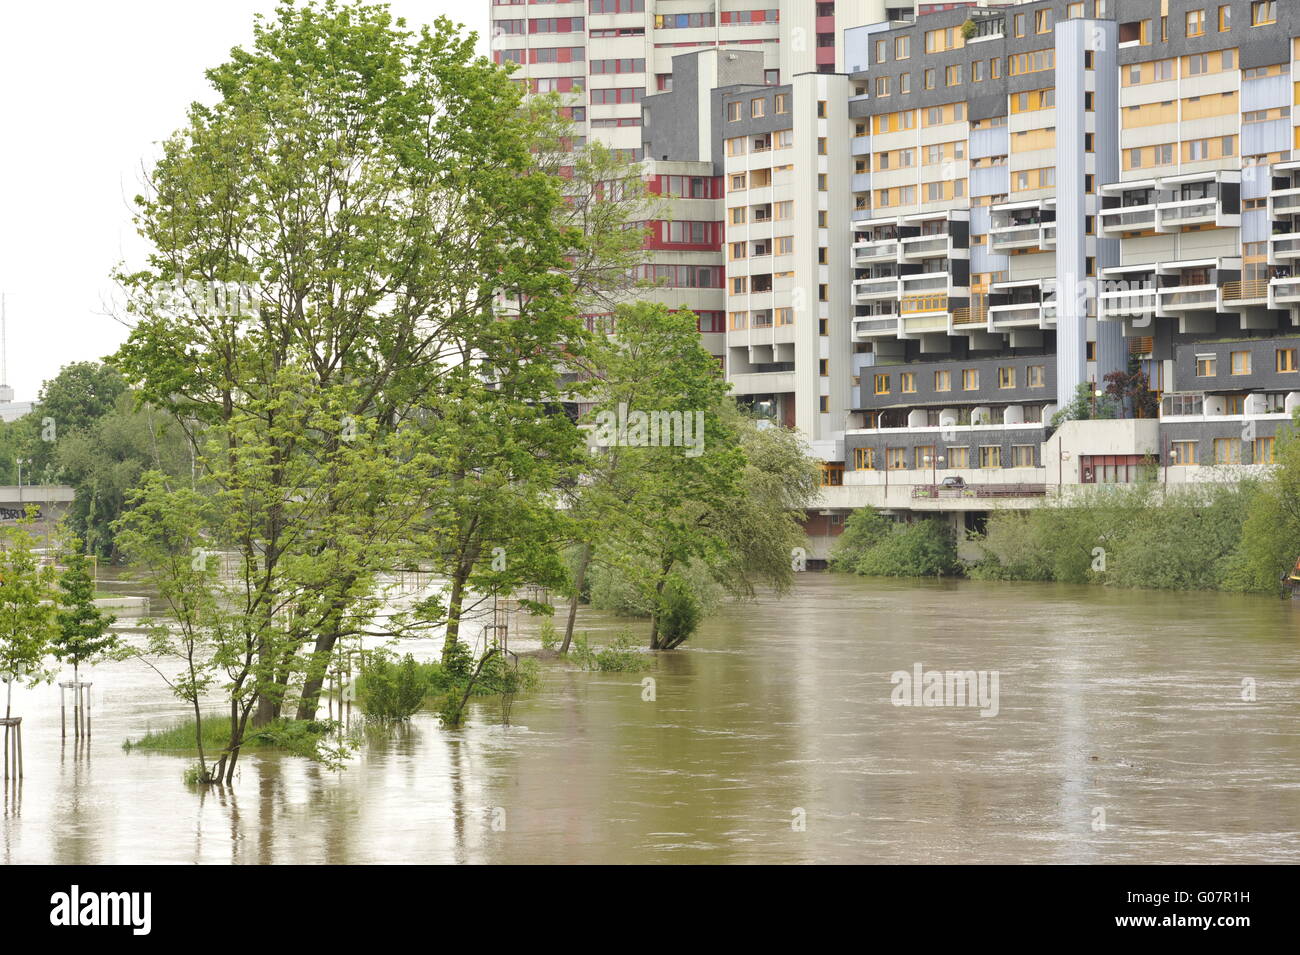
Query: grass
179	737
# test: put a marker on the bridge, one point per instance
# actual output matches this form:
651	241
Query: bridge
50	500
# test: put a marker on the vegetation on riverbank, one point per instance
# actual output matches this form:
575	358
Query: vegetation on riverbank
1233	535
875	546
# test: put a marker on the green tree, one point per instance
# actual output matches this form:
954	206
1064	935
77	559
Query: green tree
27	618
69	403
365	196
83	633
668	491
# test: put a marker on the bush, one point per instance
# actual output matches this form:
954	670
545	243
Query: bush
679	612
622	654
392	691
874	546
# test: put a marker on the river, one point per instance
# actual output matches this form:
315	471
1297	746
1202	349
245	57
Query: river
1121	735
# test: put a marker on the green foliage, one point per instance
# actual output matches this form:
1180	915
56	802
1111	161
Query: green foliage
622	654
722	502
1270	533
1086	406
317	740
679	611
874	546
389	690
28	625
1125	536
548	635
83	630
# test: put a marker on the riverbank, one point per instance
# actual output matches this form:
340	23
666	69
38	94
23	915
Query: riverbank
1133	536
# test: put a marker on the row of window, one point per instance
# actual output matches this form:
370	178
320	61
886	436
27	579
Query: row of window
1195	22
927	457
1035	377
1223	451
1207	366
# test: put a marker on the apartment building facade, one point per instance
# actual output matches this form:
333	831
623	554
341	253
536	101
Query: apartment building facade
606	57
1050	193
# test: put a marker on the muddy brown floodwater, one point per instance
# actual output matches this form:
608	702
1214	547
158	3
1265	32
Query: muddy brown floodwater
1121	736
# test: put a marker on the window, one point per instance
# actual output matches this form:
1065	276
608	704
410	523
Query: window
923	457
757	108
1206	366
1195	22
1264	451
1022	455
990	456
1042	20
1182	452
1006	377
824	405
824	367
896	459
943	381
733	112
970	379
907	383
1234	404
902	47
782	103
1263	12
1034	376
1286	359
1227	450
864	459
959	457
882	384
1240	362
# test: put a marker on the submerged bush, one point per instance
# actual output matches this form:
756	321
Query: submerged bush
1126	536
622	654
389	690
875	546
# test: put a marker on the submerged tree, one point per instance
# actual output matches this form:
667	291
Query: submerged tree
27	620
332	240
680	478
83	633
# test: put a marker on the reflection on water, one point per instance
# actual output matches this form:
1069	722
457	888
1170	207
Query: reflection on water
1127	702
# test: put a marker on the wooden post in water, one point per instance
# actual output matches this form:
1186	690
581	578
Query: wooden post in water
80	708
13	746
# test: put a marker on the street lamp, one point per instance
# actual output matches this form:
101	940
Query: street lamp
20	462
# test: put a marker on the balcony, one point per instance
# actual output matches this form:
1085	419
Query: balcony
883	287
1184	298
1250	292
1016	227
875	250
917	247
1023	315
1284	292
1130	304
1172	203
875	326
1128	219
940	492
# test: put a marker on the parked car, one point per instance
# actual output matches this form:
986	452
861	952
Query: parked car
952	482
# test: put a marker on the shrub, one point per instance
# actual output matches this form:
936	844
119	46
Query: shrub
392	691
622	654
679	612
875	546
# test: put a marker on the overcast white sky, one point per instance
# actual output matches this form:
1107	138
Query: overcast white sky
87	88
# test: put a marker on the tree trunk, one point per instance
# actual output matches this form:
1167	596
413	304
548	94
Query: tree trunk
455	601
315	677
579	580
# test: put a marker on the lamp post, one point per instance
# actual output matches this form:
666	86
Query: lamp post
20	462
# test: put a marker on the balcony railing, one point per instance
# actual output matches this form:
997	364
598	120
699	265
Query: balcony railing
1132	219
1184	212
879	249
1284	291
939	492
1025	313
970	316
1202	296
925	246
1245	291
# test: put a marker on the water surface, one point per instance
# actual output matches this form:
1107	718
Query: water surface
778	711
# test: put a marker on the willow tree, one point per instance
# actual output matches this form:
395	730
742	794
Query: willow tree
682	482
332	238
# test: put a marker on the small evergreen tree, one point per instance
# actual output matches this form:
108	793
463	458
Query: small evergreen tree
82	634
